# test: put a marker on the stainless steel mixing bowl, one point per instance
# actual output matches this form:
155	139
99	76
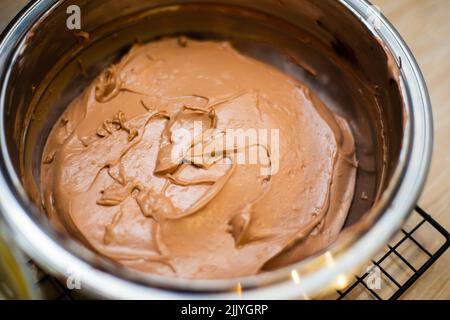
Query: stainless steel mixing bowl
343	49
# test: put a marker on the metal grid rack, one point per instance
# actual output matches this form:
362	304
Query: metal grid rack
402	262
393	252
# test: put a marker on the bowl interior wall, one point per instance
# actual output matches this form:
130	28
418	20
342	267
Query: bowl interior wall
317	42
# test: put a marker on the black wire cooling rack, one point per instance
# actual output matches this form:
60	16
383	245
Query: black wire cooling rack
404	261
409	255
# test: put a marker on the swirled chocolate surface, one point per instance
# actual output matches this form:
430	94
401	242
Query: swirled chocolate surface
111	177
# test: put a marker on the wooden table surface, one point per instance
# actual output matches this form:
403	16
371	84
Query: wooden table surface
425	25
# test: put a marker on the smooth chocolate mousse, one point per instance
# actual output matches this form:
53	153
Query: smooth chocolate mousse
137	168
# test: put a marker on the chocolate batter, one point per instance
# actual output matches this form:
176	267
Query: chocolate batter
116	176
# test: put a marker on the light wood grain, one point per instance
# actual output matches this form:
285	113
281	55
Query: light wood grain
425	26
